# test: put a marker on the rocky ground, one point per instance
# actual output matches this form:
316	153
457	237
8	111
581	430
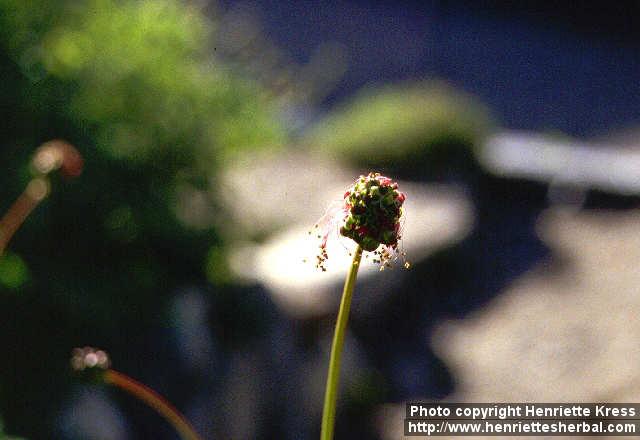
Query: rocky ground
565	331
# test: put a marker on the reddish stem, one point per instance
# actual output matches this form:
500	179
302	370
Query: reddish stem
35	192
154	400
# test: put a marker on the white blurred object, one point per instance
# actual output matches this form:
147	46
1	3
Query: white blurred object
585	165
264	194
435	216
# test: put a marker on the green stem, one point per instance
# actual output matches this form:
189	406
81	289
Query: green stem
333	376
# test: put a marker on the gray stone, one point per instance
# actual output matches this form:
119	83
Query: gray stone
567	331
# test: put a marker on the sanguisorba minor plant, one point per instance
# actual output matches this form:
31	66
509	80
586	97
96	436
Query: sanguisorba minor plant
58	155
55	155
95	365
370	214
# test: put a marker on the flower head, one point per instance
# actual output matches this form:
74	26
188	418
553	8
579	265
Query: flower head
374	208
58	154
88	358
370	214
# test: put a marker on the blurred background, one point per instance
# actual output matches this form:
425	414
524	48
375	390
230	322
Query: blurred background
215	134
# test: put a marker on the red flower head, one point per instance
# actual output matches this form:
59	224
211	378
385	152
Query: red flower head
58	154
370	215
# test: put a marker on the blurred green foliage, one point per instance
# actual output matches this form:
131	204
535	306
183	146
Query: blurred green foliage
139	76
137	88
404	126
4	436
13	271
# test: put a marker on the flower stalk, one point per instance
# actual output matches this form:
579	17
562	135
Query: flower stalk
333	375
154	400
370	214
49	157
96	365
35	192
